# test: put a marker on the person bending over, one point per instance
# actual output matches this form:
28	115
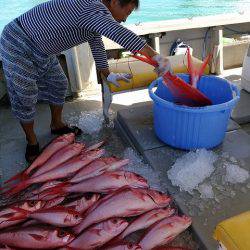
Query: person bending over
29	45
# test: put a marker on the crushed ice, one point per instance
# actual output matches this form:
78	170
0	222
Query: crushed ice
235	174
137	165
208	180
91	122
192	169
206	191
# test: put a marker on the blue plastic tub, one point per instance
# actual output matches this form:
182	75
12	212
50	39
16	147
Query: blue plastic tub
192	128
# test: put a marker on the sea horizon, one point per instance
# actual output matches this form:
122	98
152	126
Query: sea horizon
148	11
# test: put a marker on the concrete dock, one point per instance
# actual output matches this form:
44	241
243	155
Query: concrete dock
132	114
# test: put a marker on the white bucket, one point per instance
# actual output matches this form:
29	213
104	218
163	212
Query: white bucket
245	77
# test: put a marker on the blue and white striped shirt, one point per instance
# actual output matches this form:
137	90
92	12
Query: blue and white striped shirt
58	25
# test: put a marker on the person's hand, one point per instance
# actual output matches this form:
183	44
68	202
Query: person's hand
164	65
115	77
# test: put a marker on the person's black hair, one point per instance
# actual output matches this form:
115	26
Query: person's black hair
125	2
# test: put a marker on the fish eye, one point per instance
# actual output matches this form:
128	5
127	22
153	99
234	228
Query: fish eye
130	245
88	196
32	203
114	221
76	216
61	233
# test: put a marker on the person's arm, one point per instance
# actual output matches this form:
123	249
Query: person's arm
99	54
149	51
100	57
97	18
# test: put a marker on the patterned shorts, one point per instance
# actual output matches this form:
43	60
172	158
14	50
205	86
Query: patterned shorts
30	74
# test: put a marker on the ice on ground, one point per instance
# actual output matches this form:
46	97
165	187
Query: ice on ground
206	191
91	122
137	165
192	169
236	174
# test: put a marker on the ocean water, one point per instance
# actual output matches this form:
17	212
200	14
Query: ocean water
150	10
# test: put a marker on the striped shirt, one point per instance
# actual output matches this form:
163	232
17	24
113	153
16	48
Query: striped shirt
58	25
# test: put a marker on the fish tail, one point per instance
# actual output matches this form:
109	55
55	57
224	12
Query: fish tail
203	66
95	146
190	67
17	188
20	176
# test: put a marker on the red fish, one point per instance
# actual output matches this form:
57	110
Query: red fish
98	167
9	216
57	144
60	157
195	74
66	169
123	203
185	93
146	220
35	237
56	216
163	232
105	183
99	234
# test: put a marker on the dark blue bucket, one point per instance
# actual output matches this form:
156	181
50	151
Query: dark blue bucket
192	128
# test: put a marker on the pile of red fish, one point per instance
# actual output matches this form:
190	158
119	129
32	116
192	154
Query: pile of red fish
85	201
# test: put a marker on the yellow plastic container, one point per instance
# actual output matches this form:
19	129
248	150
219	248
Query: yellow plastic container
234	233
143	73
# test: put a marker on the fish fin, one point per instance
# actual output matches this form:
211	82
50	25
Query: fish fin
203	66
37	237
20	176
